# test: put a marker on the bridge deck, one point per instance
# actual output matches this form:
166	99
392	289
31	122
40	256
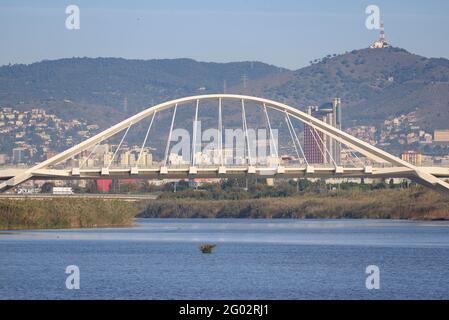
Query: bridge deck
217	172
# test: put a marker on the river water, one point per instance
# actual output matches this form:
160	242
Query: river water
254	259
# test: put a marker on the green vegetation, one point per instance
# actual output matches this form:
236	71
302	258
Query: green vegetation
234	189
239	189
413	203
65	213
300	199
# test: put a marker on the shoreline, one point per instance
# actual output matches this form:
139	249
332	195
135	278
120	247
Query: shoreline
8	231
74	213
285	219
299	219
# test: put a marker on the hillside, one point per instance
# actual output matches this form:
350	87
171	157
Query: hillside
108	81
373	84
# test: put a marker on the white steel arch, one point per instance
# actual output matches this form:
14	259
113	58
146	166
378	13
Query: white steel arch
364	148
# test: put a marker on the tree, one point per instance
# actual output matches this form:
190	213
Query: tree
47	187
114	186
391	183
92	186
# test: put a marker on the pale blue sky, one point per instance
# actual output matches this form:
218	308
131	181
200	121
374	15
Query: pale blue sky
286	33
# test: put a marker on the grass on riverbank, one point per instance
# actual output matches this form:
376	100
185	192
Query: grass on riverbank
413	203
65	213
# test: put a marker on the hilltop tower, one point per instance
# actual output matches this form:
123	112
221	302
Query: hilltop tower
382	32
381	42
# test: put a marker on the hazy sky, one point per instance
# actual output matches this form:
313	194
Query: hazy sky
287	33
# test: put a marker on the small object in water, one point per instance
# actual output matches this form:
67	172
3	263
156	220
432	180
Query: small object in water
207	248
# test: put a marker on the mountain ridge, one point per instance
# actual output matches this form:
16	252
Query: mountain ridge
374	84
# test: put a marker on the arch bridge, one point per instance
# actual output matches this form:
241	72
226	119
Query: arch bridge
217	160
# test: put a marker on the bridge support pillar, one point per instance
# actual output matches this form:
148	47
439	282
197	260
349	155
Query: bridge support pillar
193	170
163	170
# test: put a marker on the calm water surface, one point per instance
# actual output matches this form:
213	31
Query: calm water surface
254	259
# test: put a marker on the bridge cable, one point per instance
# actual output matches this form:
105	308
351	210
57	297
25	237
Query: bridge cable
347	149
271	132
146	137
195	129
296	136
169	135
349	157
355	155
119	145
297	139
245	129
90	154
291	136
220	128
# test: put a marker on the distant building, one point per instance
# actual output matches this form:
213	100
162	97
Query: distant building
176	159
49	154
4	158
313	145
126	158
441	135
107	159
320	148
412	157
101	149
19	155
104	185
